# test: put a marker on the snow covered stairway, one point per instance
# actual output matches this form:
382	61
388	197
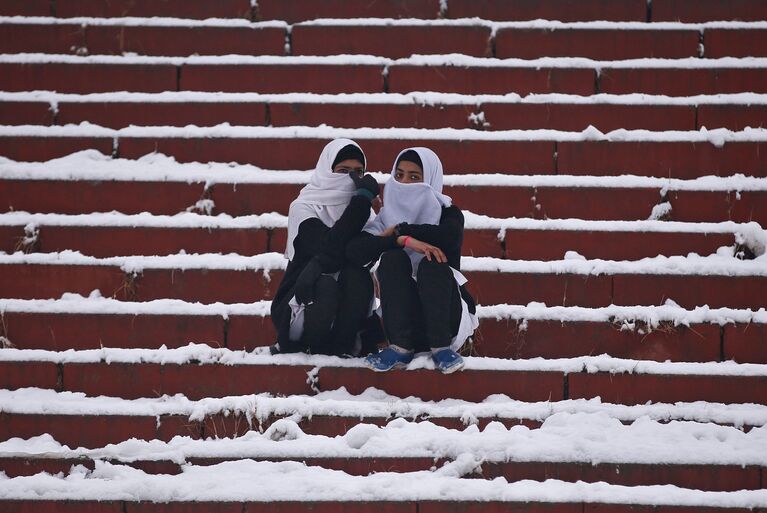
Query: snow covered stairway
632	205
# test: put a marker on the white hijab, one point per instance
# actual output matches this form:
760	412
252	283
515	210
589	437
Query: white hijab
325	197
414	203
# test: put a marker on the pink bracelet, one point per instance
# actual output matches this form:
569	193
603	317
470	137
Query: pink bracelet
404	242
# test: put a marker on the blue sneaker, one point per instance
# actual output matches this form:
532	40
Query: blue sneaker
388	359
447	361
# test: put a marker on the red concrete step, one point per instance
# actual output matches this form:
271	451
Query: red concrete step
123	114
26	113
497	115
42	38
303	10
709	10
599	44
196	9
393	41
37	149
106	40
576	117
682	82
25	8
405	78
82	39
723	42
734	117
282	78
105	241
563	10
697	477
88	78
41	281
709	206
81	197
683	160
522	244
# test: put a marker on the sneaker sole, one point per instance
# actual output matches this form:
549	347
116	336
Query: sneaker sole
454	368
398	365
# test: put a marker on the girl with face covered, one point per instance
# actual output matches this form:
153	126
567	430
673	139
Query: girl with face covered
323	299
417	235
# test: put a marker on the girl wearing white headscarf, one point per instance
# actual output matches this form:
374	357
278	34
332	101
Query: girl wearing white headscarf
323	300
416	239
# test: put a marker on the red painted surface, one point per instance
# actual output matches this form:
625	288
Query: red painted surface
126	380
709	10
745	343
552	245
43	506
685	160
123	114
25	8
373	115
489	288
247	199
498	507
596	203
722	42
495	201
598	44
457	156
15	375
577	117
37	149
691	291
250	331
26	113
734	117
88	78
15	467
205	285
226	426
563	10
183	507
115	241
41	38
183	41
278	240
431	385
482	243
286	78
20	281
84	197
641	388
682	81
697	477
405	78
555	339
302	10
78	431
10	238
149	8
59	332
390	41
696	206
200	381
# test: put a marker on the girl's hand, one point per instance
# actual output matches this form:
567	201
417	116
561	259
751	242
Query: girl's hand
389	231
426	249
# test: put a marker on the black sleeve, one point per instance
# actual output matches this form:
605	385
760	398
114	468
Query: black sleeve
366	248
445	235
329	244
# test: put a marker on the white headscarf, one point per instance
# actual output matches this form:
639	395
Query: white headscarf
325	197
414	203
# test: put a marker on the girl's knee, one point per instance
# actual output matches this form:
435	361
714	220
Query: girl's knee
429	269
395	260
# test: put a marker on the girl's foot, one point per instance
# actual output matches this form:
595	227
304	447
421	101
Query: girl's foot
447	361
388	359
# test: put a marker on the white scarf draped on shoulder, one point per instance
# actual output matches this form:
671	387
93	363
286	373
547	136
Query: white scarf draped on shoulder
325	197
413	203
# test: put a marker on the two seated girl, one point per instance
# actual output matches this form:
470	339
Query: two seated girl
325	303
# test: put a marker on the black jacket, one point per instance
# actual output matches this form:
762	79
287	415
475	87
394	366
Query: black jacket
365	248
328	244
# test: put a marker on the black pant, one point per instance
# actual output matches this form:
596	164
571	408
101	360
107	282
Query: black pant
332	321
418	315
